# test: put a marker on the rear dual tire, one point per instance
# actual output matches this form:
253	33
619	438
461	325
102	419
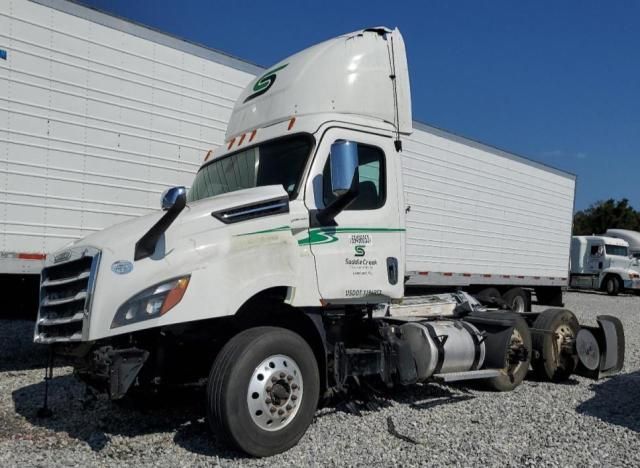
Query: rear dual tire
515	369
555	356
518	300
263	390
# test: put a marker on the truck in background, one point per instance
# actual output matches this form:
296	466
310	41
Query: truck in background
101	115
632	238
281	273
603	263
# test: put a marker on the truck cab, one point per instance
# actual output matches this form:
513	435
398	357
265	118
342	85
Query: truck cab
603	263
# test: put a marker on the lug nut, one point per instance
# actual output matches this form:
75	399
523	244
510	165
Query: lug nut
268	401
281	412
294	386
289	378
289	407
268	389
294	397
274	379
272	409
282	375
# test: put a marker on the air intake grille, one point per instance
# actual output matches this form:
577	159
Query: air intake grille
65	298
253	210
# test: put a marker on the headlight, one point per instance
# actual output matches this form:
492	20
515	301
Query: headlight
152	302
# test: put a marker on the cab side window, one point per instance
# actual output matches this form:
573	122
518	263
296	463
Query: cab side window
371	183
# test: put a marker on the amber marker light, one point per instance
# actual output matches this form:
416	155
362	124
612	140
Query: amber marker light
175	295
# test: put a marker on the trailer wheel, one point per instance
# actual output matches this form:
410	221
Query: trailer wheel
612	285
489	297
555	356
263	390
517	359
518	300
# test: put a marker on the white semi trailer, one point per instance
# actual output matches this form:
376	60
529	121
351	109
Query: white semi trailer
97	117
281	273
100	115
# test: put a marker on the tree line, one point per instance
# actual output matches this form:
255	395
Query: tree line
607	214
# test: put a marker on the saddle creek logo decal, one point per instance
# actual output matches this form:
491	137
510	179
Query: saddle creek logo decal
329	235
359	250
121	267
264	83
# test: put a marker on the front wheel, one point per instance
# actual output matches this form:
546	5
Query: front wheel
612	285
263	390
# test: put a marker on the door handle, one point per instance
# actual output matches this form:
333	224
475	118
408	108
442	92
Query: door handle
392	270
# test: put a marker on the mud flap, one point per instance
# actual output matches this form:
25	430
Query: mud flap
601	349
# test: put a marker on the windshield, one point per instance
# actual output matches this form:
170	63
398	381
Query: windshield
620	250
278	162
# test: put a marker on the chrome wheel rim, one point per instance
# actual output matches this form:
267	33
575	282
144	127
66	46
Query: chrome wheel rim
516	342
275	392
517	304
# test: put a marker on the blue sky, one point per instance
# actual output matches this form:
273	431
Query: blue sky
558	82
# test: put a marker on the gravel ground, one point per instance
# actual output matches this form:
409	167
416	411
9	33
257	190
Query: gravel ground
579	423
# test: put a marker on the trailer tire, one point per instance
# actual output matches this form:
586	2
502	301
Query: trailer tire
514	374
241	380
612	285
547	363
490	297
518	300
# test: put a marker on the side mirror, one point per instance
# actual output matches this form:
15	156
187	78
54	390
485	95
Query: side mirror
344	163
174	198
343	160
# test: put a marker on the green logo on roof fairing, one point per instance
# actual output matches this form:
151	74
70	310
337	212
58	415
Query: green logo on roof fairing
263	84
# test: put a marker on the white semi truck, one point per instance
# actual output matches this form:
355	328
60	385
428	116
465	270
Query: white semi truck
281	273
101	115
603	263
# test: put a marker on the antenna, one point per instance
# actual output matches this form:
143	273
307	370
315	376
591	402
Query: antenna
392	62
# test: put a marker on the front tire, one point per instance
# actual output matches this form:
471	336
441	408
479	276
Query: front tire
263	390
612	285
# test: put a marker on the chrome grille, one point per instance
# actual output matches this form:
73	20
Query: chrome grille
65	297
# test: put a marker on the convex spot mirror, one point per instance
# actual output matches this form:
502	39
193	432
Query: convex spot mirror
344	163
175	197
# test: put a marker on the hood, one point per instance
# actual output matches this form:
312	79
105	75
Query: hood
129	232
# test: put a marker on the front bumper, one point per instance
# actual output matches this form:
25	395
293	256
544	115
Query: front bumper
632	284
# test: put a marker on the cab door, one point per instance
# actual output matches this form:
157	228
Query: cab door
595	259
596	254
361	257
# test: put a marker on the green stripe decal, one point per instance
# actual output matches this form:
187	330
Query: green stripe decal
328	235
266	231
